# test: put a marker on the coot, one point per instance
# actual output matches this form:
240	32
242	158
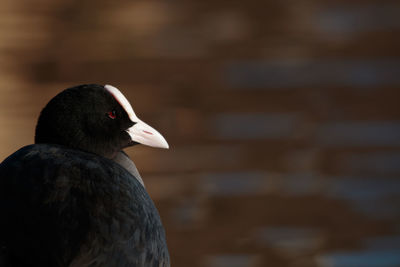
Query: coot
74	198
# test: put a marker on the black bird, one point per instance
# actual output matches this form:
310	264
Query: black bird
74	198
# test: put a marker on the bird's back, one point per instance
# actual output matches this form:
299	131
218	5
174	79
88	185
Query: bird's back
65	207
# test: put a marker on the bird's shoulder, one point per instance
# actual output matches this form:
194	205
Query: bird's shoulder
57	158
54	174
47	163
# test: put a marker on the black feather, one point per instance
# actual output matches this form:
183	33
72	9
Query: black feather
65	202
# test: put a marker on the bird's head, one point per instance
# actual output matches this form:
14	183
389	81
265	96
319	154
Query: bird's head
94	118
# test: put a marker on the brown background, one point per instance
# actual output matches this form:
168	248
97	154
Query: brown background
282	116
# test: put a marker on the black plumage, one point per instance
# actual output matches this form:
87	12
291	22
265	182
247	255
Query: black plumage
69	199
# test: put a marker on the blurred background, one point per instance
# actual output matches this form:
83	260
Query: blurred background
282	116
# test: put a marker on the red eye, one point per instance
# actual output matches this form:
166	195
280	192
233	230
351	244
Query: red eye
111	114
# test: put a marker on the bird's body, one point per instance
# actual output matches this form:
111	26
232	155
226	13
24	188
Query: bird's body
66	206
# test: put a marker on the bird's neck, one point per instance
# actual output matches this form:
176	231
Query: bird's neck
123	159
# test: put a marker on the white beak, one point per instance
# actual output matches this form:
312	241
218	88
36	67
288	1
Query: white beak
144	134
141	132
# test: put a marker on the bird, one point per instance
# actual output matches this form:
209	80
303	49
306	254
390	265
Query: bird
74	197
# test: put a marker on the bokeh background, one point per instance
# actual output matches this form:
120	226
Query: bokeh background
282	116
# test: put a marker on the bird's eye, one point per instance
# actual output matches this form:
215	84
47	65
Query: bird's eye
112	114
